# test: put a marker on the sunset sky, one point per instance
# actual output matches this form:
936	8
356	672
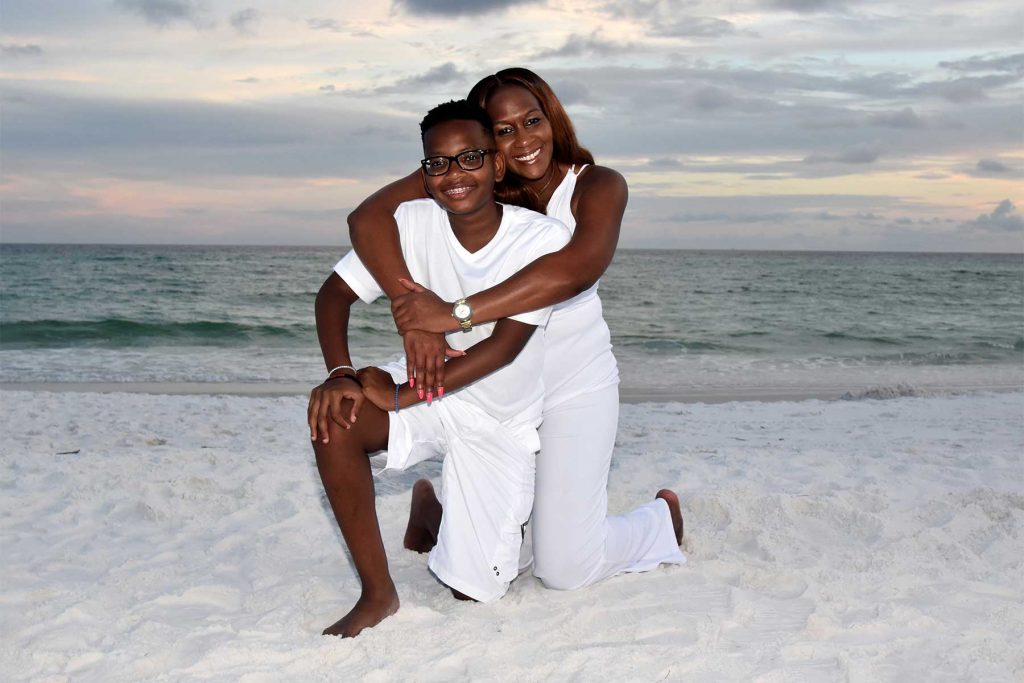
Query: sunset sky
751	124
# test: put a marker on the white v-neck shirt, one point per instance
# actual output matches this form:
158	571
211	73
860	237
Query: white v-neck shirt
438	261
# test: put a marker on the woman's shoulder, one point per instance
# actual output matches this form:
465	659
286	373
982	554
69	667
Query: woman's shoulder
600	181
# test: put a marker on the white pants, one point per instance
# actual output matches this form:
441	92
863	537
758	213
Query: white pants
575	543
486	489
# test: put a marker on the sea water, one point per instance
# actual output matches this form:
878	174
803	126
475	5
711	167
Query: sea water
719	320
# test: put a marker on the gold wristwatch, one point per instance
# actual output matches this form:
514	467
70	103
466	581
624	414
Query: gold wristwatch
463	312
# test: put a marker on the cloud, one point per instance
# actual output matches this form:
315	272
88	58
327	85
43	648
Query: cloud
163	13
693	27
904	118
1003	219
807	6
993	168
1011	63
245	20
858	154
439	75
579	45
663	163
28	50
324	24
456	8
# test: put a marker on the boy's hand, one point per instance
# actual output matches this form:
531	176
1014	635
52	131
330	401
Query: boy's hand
325	403
378	387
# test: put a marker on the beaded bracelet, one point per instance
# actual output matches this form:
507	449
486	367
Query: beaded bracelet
397	387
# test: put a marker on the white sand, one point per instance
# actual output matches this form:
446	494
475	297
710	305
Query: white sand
187	539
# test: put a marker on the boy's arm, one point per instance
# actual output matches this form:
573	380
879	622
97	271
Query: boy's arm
505	343
333	303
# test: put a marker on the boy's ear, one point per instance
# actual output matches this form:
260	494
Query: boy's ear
423	179
499	166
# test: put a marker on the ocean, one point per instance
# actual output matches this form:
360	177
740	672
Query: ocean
721	321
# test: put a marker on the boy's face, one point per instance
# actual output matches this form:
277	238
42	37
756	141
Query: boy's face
460	191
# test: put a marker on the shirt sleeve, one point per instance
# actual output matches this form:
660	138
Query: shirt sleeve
553	237
354	273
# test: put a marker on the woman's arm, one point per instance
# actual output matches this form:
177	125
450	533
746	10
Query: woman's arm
374	235
601	196
374	232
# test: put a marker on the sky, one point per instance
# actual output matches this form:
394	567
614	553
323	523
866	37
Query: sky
745	124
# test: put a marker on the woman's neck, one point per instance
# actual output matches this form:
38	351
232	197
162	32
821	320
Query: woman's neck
546	185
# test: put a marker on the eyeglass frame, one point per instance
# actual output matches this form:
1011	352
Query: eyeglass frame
482	152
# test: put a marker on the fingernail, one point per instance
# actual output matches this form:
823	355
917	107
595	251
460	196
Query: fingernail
440	392
412	382
430	396
421	393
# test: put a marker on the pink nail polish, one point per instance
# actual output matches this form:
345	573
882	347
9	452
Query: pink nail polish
421	393
430	396
440	392
412	382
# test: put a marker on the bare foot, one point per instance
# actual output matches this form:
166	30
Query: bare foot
424	518
367	612
672	500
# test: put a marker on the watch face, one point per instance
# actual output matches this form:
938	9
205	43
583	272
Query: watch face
462	311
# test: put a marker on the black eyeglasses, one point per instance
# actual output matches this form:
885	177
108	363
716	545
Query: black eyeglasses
470	160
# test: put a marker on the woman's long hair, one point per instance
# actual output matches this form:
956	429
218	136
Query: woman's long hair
567	148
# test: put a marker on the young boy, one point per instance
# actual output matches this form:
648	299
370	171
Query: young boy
456	244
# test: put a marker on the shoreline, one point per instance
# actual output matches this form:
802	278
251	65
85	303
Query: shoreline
628	394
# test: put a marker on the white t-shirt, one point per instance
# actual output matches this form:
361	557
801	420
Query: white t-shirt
438	261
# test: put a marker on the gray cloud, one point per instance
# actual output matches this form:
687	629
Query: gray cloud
579	45
443	74
858	154
162	139
324	24
245	20
28	50
807	6
456	8
992	166
904	118
1003	219
693	27
162	13
1011	63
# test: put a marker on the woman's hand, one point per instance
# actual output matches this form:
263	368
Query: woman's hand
378	387
421	309
325	403
424	361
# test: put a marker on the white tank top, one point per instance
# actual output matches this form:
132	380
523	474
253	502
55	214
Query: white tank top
578	358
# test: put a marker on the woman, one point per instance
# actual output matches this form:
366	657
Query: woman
574	543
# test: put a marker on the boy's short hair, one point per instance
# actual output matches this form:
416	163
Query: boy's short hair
456	110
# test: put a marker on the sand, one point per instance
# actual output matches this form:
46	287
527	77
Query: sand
185	537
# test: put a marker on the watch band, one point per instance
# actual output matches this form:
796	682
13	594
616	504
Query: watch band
465	319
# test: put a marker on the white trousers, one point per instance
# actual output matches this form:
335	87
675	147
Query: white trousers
575	543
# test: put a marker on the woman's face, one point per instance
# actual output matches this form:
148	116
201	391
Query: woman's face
522	131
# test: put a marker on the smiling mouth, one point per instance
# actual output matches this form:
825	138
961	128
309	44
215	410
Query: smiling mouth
527	158
457	192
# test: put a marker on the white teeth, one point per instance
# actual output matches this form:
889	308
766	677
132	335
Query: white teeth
456	191
529	157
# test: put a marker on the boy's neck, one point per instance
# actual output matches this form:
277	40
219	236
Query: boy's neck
474	231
